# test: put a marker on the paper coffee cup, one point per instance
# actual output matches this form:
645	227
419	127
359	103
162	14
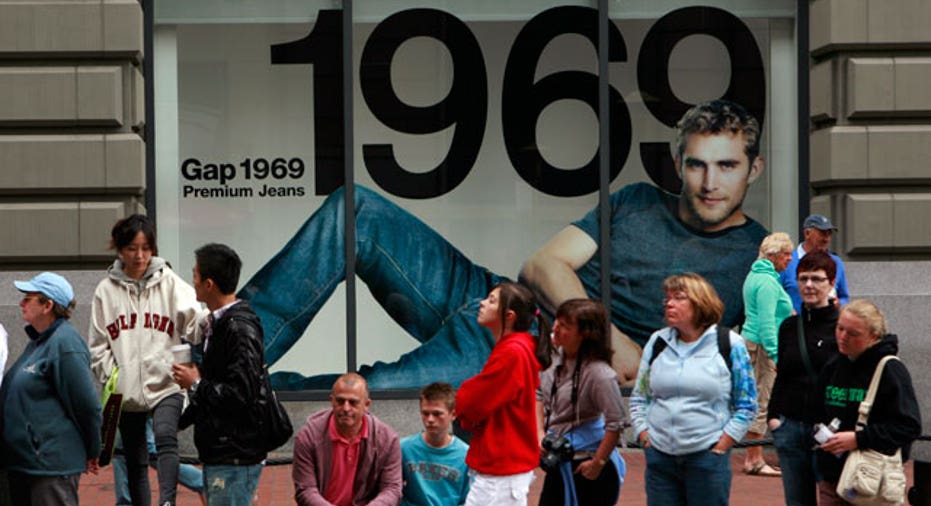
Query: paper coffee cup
823	434
182	353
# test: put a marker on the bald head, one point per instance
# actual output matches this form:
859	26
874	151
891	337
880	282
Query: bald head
350	401
352	381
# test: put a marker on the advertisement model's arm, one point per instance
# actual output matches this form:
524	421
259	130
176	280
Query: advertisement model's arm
550	273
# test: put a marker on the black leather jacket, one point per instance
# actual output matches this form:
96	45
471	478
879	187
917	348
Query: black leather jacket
224	408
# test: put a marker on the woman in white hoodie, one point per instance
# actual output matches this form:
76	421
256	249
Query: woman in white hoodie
140	310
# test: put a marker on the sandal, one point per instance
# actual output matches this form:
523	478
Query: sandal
763	469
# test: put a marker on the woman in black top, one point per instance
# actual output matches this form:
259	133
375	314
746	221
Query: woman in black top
894	421
790	407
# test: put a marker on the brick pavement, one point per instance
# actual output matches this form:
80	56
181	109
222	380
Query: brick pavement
275	487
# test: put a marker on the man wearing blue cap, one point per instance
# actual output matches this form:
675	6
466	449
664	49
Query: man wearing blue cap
817	230
51	414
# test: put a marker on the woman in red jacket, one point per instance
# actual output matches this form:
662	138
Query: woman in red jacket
499	404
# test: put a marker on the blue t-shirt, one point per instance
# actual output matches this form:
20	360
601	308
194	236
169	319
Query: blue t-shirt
649	243
434	476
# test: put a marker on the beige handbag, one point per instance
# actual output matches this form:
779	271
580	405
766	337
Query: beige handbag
870	477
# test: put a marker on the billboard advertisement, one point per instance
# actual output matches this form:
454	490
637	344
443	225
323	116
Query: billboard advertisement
475	141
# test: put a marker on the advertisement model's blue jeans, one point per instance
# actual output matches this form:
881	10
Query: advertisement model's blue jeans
695	479
424	283
231	485
794	444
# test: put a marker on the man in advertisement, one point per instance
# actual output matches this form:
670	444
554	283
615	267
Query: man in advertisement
432	289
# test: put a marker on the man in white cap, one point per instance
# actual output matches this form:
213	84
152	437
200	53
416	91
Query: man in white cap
817	230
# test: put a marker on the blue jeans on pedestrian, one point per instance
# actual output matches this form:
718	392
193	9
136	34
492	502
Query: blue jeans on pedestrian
794	445
695	479
227	485
424	283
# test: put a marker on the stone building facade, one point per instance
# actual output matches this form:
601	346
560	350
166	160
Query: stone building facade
73	146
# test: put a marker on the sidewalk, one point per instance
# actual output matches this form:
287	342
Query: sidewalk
275	487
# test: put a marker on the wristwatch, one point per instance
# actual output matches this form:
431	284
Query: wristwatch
193	388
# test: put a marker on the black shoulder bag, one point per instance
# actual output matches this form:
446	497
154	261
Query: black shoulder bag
276	424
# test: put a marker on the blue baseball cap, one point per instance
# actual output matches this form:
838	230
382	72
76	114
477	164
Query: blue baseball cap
818	221
51	285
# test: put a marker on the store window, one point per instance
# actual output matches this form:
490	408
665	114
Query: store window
475	145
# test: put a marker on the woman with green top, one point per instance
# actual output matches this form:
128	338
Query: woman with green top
766	304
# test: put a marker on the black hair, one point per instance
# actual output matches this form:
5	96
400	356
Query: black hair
125	231
518	298
221	264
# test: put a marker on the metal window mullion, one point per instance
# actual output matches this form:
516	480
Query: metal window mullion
604	155
148	133
804	105
349	190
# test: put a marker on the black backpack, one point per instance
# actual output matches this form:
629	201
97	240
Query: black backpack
724	346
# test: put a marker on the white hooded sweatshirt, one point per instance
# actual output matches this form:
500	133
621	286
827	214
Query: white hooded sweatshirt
134	324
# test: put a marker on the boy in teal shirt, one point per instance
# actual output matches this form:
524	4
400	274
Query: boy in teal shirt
434	468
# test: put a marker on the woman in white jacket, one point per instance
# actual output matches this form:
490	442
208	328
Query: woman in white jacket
140	310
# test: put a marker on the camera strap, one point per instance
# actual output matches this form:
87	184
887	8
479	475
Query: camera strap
576	374
803	351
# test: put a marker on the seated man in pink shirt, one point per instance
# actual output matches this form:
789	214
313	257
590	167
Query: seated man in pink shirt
345	456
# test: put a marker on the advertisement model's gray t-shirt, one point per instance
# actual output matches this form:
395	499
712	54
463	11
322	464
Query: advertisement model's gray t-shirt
649	243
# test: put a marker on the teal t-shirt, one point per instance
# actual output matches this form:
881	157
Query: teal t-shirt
434	476
649	243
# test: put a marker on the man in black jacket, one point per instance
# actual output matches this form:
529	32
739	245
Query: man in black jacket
224	390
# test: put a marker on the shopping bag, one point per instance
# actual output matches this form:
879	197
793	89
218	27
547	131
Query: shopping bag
111	402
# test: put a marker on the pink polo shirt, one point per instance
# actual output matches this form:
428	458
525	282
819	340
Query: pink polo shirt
343	466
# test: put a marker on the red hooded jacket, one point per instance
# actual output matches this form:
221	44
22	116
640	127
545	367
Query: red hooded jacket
499	406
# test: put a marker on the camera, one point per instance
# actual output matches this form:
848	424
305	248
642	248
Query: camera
556	450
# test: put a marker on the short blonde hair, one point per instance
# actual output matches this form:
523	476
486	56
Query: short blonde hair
774	244
867	311
708	306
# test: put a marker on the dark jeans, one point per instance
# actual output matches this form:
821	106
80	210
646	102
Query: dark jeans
793	444
31	490
425	284
132	430
598	492
694	479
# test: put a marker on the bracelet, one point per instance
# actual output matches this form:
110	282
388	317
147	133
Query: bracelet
718	452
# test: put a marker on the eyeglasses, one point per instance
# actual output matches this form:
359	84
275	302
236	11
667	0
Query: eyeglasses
811	279
676	297
27	298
